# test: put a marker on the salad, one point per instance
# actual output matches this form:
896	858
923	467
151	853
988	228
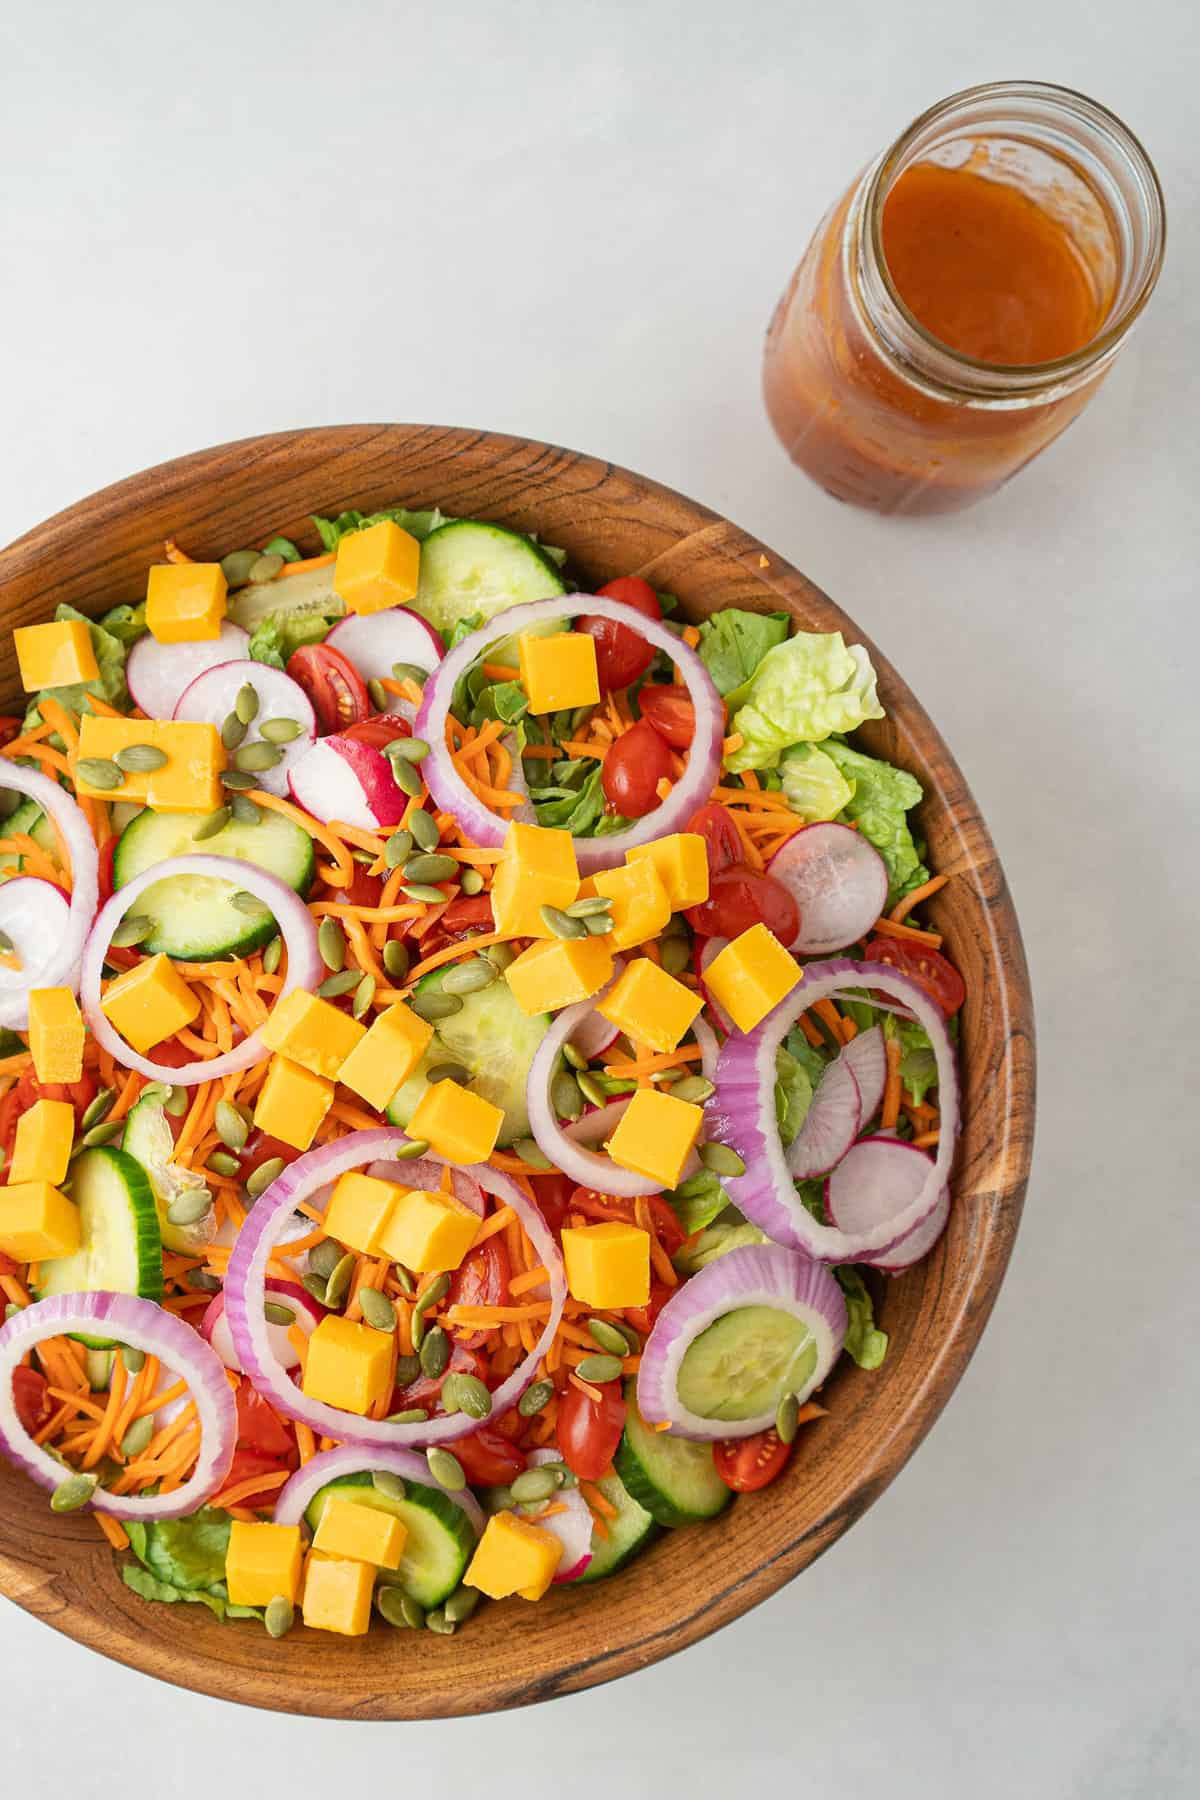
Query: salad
461	1042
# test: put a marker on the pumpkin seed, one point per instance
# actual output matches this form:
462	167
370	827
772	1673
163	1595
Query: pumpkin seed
411	1415
237	781
222	1163
787	1419
99	772
534	1484
272	955
423	891
266	568
377	1309
190	1208
280	1616
434	1293
474	1397
177	1102
449	1071
245	704
209	827
244	810
140	759
407	1369
202	1281
257	756
535	1398
233	730
281	731
237	566
408	1151
364	993
575	1057
99	1109
435	1353
565	1096
406	778
134	1360
721	1159
674	954
589	908
74	1492
398	849
676	926
426	867
590	1088
338	1285
449	1393
432	1007
246	902
471	881
233	1127
276	1314
461	1604
334	986
403	671
696	1088
599	926
446	1470
531	1153
599	1369
409	749
378	693
607	1337
389	1604
260	1179
314	1285
396	958
559	925
98	1368
331	942
468	977
324	1257
137	1437
385	1482
500	956
101	1134
424	829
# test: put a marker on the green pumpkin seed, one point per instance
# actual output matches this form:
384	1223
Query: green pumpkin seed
99	1109
429	868
449	1393
406	778
276	1314
222	1163
281	731
279	1616
177	1102
338	1285
599	926
446	1470
408	749
409	1151
559	925
233	1127
471	881
266	568
237	566
589	1087
531	1152
74	1492
140	759
378	693
137	1437
432	1007
101	1134
787	1419
449	1071
676	926
674	954
696	1088
98	1368
331	942
412	1415
209	827
190	1208
272	955
202	1281
389	1604
468	977
424	829
377	1309
245	705
607	1337
246	902
324	1257
534	1484
461	1605
261	1178
134	929
407	1369
423	891
588	909
435	1353
500	956
99	772
474	1397
403	671
233	730
535	1399
396	958
434	1294
599	1369
334	986
398	849
245	810
314	1285
565	1096
257	757
364	993
237	781
385	1482
575	1057
721	1159
134	1360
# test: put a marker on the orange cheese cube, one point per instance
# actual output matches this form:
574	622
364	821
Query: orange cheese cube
377	567
608	1265
42	1147
655	1135
37	1222
426	1231
558	671
189	779
348	1365
682	864
362	1533
103	739
640	907
556	972
292	1102
337	1594
150	1002
185	602
386	1056
648	1004
358	1210
513	1557
457	1124
311	1032
261	1561
55	655
752	975
537	868
55	1034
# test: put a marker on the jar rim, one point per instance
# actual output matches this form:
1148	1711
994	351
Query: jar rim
1010	380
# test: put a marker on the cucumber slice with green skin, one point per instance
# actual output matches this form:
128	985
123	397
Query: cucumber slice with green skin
307	595
491	1038
195	918
628	1534
674	1479
27	821
470	567
745	1362
440	1541
120	1249
149	1140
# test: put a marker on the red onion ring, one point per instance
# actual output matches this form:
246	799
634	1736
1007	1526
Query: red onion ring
351	1459
62	968
587	1168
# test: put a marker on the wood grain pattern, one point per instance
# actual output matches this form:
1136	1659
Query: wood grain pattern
611	522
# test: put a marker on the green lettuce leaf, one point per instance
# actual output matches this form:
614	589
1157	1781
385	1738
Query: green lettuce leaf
128	623
717	1241
815	787
865	1343
463	628
189	1552
879	804
217	1600
281	633
698	1200
579	810
801	692
733	643
110	648
417	524
793	1095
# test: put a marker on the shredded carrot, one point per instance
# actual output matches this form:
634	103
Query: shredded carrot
597	1501
113	1530
306	563
501	672
467	947
890	1110
173	553
503	1217
342	860
829	1014
305	1442
585	1387
889	928
648	1065
925	892
103	1435
927	1140
254	1484
522	1284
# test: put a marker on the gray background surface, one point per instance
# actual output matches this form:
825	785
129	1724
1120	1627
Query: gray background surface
572	221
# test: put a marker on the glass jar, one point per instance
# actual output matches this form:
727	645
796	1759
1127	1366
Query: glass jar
873	406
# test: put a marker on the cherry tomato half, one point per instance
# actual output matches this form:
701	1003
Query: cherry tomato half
10	728
739	898
253	1462
928	968
714	823
633	768
362	890
333	684
467	914
488	1458
670	711
611	1206
260	1428
588	1430
642	1318
552	1193
261	1147
621	654
31	1398
21	1097
749	1463
379	730
481	1279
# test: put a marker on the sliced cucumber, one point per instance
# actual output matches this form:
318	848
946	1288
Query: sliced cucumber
493	1040
149	1140
28	820
120	1249
673	1478
745	1363
196	919
440	1541
470	567
307	595
628	1534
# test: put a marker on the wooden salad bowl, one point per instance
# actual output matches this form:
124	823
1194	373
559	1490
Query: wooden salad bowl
611	522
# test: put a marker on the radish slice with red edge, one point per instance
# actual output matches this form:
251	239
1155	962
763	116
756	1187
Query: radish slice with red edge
304	965
830	1125
351	1459
34	916
158	674
572	1526
142	1325
341	778
486	828
246	1275
741	1114
758	1275
212	696
839	882
866	1056
306	1314
919	1241
62	967
875	1180
375	642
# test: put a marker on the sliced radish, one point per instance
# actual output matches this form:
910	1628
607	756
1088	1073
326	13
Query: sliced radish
839	883
375	642
703	953
572	1525
34	916
876	1181
158	673
866	1055
919	1241
343	779
307	1314
830	1125
211	698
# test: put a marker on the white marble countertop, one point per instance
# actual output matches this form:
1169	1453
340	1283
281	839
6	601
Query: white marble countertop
572	221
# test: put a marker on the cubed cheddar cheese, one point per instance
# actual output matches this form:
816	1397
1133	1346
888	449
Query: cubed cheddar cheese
513	1557
428	1232
42	1146
682	864
150	1002
386	1056
103	739
648	1004
311	1032
537	868
37	1222
358	1210
556	972
185	602
337	1594
55	1034
292	1102
377	567
640	907
655	1135
559	671
456	1123
752	975
347	1365
261	1561
55	655
189	780
608	1265
362	1533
